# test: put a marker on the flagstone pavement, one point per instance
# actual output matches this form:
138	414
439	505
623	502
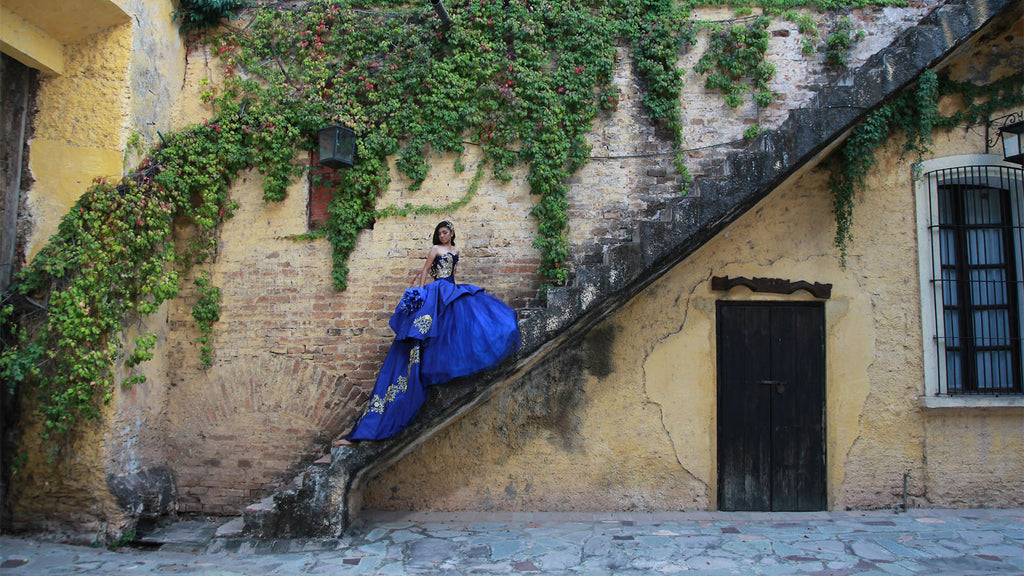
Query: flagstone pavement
930	542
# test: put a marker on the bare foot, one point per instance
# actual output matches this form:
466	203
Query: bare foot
342	442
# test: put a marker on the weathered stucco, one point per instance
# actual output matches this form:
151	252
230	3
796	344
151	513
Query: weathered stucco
69	148
114	81
624	419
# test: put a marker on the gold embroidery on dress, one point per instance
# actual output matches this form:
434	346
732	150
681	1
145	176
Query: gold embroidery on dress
399	387
377	405
444	266
423	323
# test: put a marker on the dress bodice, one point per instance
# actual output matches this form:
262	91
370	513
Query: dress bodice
444	266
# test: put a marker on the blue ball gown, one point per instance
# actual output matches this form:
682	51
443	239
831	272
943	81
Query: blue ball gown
442	331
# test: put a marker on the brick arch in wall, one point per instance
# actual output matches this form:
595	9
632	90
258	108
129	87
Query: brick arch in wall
230	438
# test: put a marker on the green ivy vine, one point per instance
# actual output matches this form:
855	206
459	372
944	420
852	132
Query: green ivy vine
206	313
913	115
522	80
735	56
840	41
199	15
114	259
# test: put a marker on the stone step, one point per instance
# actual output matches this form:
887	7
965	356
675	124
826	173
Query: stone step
234	528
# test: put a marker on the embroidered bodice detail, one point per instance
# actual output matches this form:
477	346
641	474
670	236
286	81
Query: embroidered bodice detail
444	265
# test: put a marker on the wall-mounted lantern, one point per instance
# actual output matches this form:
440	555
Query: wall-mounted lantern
1013	142
1011	130
337	146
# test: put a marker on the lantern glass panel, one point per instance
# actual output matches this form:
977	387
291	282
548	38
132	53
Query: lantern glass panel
1013	144
337	146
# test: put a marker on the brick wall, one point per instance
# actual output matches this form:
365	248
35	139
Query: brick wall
294	358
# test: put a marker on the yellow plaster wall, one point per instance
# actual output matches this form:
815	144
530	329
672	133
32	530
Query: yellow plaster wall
64	494
136	439
157	69
115	80
640	432
78	136
973	458
39	32
80	128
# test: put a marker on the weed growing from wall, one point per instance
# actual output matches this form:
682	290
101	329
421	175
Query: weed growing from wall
206	313
734	62
199	15
840	42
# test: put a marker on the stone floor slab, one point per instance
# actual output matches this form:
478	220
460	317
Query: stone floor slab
916	543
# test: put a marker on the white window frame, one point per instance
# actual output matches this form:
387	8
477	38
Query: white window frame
934	367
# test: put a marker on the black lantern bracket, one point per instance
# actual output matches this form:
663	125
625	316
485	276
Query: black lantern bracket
441	12
1009	130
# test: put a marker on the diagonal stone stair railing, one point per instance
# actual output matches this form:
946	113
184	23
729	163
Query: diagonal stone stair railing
324	499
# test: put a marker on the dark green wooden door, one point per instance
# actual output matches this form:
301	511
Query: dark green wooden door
771	406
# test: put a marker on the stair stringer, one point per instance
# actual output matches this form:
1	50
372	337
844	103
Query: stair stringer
324	500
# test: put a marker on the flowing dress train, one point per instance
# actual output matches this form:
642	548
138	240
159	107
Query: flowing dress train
442	331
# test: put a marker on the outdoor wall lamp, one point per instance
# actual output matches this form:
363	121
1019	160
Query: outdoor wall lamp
337	146
1013	143
1011	132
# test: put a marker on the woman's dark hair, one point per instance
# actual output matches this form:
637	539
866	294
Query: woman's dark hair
444	224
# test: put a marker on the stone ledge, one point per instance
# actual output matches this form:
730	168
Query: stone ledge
971	402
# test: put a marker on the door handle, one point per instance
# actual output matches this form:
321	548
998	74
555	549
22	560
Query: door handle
779	385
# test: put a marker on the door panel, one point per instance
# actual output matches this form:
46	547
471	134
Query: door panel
797	414
744	481
771	402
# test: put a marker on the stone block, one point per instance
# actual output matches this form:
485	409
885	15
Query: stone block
147	493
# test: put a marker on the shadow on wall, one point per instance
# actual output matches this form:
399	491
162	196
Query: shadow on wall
550	397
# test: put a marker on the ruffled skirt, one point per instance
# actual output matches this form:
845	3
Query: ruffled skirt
442	332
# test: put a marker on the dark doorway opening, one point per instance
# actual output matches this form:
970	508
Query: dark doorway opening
18	86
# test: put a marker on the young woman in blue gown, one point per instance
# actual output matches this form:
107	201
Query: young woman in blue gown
443	330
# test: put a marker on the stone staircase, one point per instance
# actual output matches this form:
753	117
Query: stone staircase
323	500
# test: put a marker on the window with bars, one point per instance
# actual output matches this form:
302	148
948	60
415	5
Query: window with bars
975	242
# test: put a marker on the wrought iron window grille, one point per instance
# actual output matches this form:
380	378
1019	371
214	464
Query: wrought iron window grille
976	240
